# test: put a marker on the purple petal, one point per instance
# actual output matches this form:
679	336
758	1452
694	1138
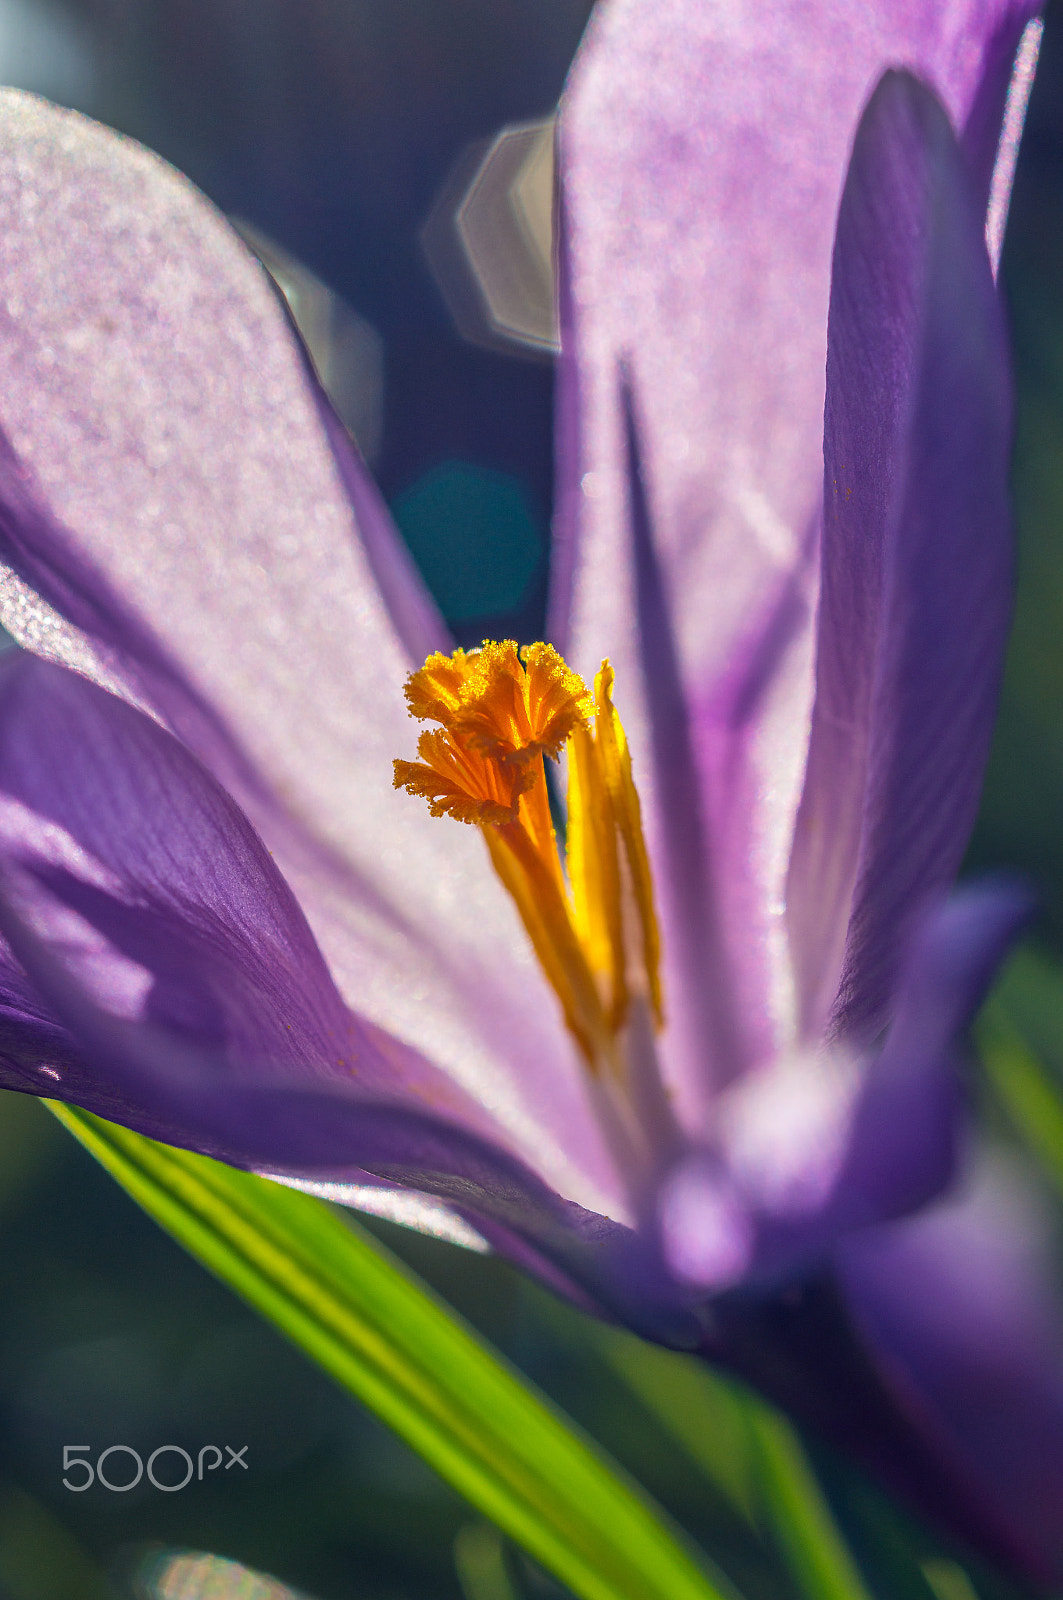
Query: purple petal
108	817
705	1016
811	1148
917	561
957	1308
814	1153
406	1207
707	1230
205	547
187	1093
167	911
185	997
703	152
800	1347
906	1125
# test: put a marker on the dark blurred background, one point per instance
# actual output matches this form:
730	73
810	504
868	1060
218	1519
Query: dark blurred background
336	131
1021	824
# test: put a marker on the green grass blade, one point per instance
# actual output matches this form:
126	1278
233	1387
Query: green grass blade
796	1513
706	1416
380	1334
1020	1041
1025	1090
752	1455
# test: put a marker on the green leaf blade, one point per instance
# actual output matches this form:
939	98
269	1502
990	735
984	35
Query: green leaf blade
334	1292
799	1516
1017	1032
749	1452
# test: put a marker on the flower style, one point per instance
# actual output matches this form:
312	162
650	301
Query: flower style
225	928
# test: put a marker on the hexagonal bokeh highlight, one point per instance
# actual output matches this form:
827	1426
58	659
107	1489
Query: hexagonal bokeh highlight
347	351
489	239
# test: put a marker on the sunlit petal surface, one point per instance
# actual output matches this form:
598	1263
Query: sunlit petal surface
155	354
701	183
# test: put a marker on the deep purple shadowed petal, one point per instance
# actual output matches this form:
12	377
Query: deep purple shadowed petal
801	1348
917	561
958	1309
705	1017
236	1042
188	1094
701	180
128	831
207	499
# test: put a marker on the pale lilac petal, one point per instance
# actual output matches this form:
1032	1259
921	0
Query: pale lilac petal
825	1144
958	1308
907	1123
708	1017
707	1232
141	342
213	1021
175	987
994	124
704	150
421	1212
917	557
816	1145
568	493
413	613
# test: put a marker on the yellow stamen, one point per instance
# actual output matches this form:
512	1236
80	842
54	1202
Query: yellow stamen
540	899
616	765
457	782
510	705
500	712
594	869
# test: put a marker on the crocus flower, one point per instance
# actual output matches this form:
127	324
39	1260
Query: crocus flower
694	1089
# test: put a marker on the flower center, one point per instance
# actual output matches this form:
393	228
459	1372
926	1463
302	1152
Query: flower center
500	711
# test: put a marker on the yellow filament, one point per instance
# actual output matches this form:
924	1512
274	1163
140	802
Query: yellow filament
500	711
544	911
616	765
594	869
